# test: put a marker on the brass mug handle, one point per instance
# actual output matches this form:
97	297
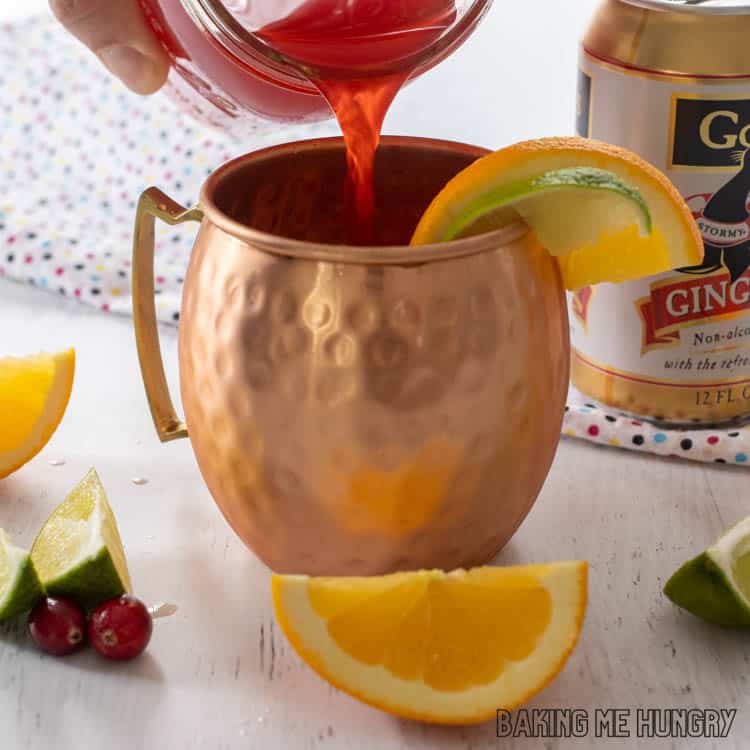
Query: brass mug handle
152	205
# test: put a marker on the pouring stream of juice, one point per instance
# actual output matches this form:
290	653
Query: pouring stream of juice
354	35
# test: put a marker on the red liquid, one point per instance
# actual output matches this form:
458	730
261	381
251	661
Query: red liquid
351	35
345	34
234	87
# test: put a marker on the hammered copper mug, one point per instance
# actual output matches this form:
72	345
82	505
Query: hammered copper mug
357	410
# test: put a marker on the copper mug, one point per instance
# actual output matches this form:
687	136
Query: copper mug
357	410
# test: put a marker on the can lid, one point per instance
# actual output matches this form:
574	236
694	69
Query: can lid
700	7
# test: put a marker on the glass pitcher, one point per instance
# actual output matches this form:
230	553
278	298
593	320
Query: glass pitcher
224	73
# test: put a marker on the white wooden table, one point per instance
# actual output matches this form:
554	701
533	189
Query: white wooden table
219	675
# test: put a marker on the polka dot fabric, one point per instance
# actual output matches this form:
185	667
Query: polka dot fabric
76	151
587	421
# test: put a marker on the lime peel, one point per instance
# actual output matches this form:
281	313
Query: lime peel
566	179
712	586
20	587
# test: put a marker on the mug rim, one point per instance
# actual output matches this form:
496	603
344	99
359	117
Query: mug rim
352	254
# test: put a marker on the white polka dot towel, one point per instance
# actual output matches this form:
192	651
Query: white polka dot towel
76	151
589	422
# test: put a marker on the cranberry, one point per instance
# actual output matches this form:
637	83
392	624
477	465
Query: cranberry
58	626
120	629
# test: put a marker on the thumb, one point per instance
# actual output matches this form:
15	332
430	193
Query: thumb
118	34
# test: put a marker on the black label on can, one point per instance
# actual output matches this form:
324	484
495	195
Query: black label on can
583	107
709	133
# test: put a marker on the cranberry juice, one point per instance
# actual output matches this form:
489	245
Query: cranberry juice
235	87
352	35
345	36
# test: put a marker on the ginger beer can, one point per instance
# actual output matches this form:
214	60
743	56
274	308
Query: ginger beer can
670	80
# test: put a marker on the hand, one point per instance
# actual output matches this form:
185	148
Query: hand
117	32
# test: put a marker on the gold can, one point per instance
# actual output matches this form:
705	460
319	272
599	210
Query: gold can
670	80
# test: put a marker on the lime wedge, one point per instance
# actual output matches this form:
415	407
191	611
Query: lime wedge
20	588
78	553
604	213
715	586
567	207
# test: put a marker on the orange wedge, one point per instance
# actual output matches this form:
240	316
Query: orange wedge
447	648
605	213
34	393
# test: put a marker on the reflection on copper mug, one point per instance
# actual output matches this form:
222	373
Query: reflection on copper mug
358	410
